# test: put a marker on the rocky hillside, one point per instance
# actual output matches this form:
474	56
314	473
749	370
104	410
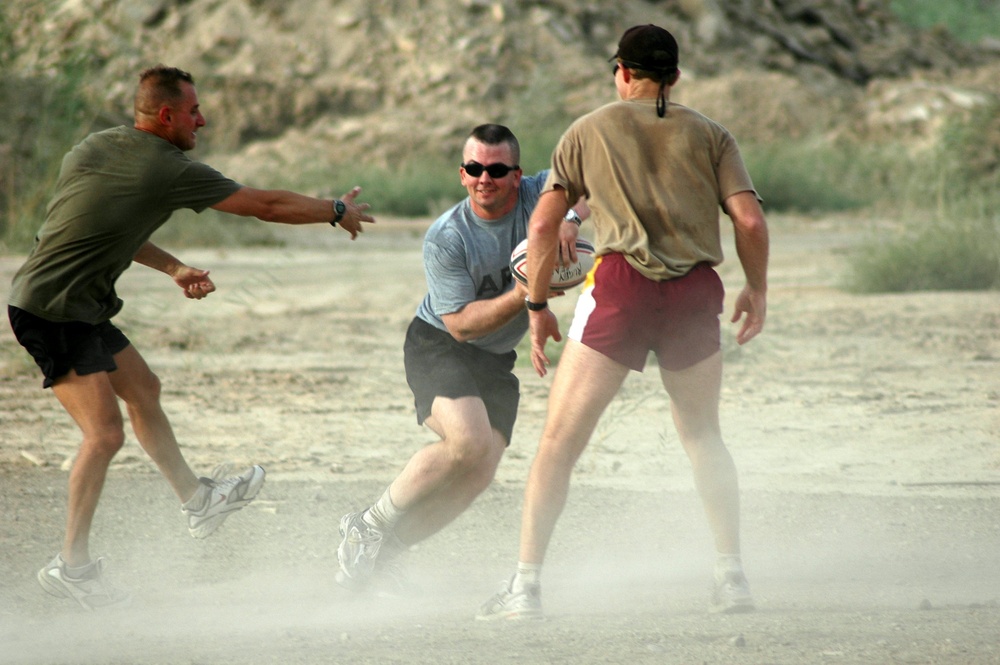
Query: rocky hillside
291	82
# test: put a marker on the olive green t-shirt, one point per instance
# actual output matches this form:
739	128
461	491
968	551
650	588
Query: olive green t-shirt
114	190
654	185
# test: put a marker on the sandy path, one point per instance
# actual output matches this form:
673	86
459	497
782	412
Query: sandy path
865	429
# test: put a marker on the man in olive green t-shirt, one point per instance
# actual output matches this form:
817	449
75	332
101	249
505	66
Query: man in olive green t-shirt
114	190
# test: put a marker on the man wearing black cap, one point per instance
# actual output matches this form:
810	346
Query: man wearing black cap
654	174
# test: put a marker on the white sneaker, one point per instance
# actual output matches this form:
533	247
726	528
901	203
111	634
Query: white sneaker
505	604
732	594
219	496
359	547
90	590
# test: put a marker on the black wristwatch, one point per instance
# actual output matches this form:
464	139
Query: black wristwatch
535	306
339	210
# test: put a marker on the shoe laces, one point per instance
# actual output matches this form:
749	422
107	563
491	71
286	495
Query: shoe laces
369	536
222	472
224	478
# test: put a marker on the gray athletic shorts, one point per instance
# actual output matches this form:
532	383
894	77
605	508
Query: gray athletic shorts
439	365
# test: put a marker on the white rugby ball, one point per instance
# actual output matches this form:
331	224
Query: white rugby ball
563	277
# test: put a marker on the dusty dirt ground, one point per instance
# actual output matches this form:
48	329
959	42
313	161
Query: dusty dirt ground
865	429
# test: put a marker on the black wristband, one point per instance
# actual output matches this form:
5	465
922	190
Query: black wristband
535	306
339	210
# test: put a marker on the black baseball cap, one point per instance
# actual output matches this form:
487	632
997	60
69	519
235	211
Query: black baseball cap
647	47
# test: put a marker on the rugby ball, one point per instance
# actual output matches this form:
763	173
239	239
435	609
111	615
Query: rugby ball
563	277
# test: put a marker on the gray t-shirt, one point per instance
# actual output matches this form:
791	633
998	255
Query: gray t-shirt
467	258
114	190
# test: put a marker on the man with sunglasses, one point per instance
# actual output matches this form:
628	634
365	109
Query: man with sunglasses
459	356
655	175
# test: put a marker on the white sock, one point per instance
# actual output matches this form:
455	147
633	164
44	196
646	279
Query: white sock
383	514
198	499
727	563
527	573
77	572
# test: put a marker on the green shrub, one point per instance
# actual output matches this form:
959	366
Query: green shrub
936	256
417	189
949	198
968	20
54	115
810	176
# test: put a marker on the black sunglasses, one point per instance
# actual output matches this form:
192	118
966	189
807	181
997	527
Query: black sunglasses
475	169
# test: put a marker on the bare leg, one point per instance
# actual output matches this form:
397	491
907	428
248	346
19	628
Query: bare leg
139	388
90	401
442	507
443	479
584	385
694	396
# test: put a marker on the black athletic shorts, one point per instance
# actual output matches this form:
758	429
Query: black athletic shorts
59	347
439	365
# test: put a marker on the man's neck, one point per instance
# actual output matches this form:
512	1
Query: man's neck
645	89
491	215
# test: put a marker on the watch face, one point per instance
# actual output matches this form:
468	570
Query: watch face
340	207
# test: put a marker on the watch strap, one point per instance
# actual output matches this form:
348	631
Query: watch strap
339	210
535	306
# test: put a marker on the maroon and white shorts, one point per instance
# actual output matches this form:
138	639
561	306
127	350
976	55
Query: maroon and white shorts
625	315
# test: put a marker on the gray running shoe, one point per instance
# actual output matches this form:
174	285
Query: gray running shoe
525	605
219	496
90	591
359	547
732	594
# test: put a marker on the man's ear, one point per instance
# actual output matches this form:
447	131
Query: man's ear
163	115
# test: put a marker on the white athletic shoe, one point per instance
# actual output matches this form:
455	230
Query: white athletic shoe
90	590
505	604
732	594
219	496
359	547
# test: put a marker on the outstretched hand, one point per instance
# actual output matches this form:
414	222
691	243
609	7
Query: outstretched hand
355	214
195	282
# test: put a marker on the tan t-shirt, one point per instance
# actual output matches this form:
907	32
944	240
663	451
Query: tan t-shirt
654	185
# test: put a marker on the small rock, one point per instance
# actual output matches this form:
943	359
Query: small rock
33	458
